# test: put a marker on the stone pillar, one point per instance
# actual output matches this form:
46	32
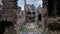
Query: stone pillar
9	8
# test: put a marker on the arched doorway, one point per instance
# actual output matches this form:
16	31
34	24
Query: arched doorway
39	17
4	25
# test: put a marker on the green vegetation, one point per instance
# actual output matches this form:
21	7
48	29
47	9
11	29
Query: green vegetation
23	29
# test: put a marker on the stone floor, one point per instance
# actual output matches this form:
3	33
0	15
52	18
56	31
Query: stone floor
30	33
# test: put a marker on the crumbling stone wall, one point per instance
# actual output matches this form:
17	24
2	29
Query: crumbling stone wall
51	14
9	8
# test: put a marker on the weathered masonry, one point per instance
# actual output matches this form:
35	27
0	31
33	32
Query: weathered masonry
9	8
52	15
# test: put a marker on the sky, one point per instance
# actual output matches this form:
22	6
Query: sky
35	2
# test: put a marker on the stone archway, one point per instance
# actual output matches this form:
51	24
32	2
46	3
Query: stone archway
4	25
39	17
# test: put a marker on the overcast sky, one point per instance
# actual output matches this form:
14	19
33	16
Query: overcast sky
35	2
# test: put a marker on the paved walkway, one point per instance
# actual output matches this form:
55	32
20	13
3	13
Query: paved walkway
30	33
